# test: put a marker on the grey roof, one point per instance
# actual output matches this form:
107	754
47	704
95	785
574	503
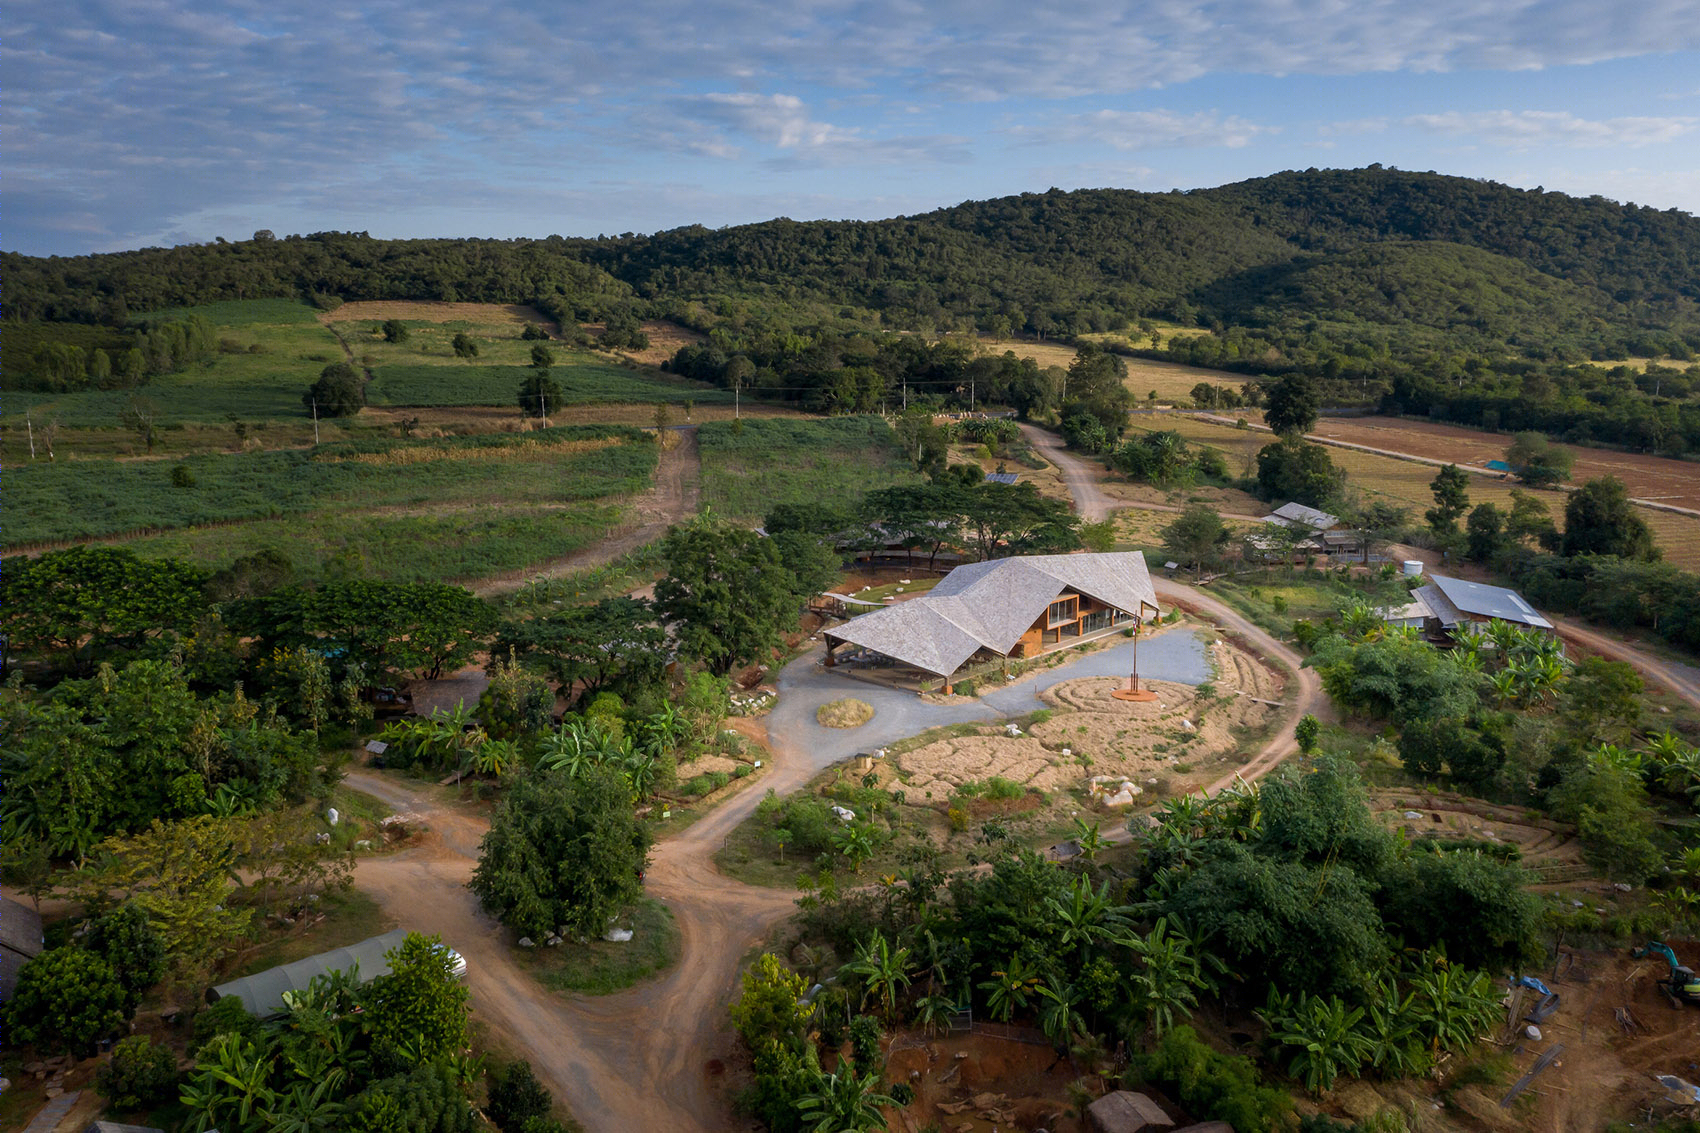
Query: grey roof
1415	610
1484	601
1124	1111
991	604
1438	606
1001	477
262	992
1298	515
20	928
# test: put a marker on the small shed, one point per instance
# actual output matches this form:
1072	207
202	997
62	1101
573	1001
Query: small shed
262	992
20	942
1127	1112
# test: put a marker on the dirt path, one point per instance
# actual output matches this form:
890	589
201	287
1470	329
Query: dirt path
1092	504
1684	680
1304	691
672	498
635	1060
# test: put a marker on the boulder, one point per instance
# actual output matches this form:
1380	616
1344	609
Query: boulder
527	942
332	817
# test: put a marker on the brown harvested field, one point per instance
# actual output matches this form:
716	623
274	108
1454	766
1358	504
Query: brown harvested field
1674	482
664	341
1171	380
1407	482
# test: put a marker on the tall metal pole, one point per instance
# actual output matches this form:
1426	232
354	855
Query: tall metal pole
31	428
315	422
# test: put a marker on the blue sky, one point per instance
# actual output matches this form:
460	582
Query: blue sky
154	122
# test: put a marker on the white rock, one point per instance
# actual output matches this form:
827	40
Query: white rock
363	844
1533	1032
617	935
844	813
1187	724
1068	751
332	817
527	942
904	581
553	940
1413	815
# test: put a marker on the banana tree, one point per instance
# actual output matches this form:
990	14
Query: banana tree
1322	1040
846	1102
884	971
1011	989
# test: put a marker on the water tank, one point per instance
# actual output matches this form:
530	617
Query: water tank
1413	568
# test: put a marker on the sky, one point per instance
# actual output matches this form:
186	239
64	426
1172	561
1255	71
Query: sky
160	122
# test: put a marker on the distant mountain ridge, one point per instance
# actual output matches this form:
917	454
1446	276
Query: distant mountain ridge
1407	252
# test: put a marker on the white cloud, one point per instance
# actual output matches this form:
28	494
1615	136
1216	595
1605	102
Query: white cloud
1524	128
1150	129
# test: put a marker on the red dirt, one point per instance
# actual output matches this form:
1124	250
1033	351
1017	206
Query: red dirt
1673	482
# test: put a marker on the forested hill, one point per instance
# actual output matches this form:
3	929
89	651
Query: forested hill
1389	252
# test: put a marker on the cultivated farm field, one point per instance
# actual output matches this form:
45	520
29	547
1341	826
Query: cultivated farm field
750	466
459	507
1674	482
1407	482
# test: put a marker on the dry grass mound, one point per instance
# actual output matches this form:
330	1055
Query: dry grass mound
846	713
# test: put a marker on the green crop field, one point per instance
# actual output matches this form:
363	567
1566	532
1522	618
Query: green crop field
270	351
749	466
500	501
584	380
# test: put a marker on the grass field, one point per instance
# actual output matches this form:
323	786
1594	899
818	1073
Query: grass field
450	509
600	967
293	348
584	378
750	466
1407	483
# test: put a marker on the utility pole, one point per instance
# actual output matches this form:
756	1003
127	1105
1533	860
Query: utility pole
737	412
31	429
315	422
906	392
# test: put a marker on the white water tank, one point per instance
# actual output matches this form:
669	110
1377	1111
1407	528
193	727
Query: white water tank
1413	568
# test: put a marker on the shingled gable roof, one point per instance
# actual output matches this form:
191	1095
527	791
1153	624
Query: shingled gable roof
991	604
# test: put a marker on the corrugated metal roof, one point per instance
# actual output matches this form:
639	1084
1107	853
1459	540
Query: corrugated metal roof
20	928
1290	514
1436	601
1001	477
991	604
1486	601
262	992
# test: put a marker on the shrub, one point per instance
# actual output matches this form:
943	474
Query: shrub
139	1074
1212	1085
516	1096
225	1017
998	788
66	1000
181	477
128	942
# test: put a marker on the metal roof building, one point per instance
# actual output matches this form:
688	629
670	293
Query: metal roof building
1298	515
262	992
993	605
1455	600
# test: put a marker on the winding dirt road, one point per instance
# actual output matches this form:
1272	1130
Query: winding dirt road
646	1058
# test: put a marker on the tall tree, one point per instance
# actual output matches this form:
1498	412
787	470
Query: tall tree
1538	462
339	392
1197	537
726	592
1294	402
1451	488
562	852
89	600
540	394
1600	520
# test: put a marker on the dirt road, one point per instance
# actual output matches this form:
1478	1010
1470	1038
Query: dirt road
672	498
1305	693
634	1060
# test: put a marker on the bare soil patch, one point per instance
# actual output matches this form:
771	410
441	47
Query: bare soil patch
1180	737
1675	482
664	341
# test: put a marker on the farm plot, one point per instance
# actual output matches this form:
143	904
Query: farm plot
584	378
460	508
1674	482
270	351
1407	482
750	466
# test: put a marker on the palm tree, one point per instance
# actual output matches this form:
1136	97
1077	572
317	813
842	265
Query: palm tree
884	971
1011	989
1091	842
1169	977
1061	1017
845	1102
1324	1037
1089	918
